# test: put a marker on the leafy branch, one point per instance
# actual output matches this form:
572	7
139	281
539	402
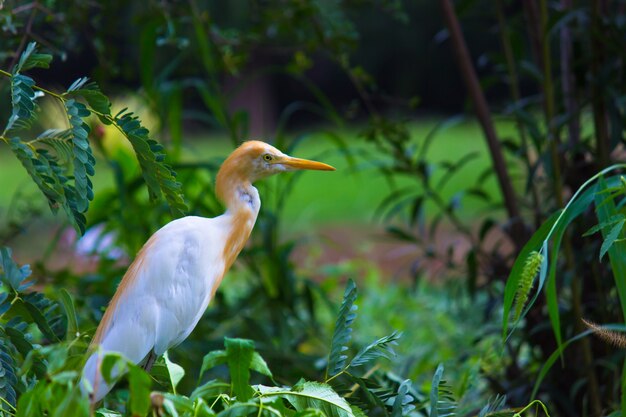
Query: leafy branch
71	187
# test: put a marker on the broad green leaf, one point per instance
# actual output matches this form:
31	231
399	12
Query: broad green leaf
343	331
610	237
175	371
72	404
239	358
210	389
311	395
240	409
139	382
259	365
211	360
616	251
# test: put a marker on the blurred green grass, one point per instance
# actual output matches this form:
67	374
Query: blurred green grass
350	195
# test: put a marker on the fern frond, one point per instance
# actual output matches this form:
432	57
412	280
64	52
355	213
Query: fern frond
611	337
159	177
531	268
381	348
442	401
343	331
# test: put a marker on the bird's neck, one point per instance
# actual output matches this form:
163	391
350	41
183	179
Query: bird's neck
242	207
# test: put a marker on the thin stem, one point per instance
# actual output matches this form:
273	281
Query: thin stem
10	405
483	114
534	402
516	95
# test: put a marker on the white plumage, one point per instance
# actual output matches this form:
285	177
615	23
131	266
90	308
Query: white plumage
173	278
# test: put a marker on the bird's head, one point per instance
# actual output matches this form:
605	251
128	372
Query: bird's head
254	160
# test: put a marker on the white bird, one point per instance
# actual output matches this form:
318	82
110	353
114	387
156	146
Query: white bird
175	275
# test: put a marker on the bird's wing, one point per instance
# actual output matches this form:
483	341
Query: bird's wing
164	292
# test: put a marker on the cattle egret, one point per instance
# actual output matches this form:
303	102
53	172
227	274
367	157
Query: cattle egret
170	283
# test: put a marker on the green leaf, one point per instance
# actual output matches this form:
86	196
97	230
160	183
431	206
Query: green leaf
617	250
533	244
70	312
175	371
211	360
342	333
210	389
402	404
306	395
381	348
159	177
442	402
610	238
239	357
259	365
603	225
83	158
92	94
31	59
139	383
11	274
23	103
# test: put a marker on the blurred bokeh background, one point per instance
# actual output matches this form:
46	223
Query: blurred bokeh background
457	129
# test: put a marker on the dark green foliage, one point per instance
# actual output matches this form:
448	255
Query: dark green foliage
159	177
71	188
83	158
23	102
342	333
381	348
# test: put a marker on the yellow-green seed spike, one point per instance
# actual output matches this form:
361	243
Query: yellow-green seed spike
525	284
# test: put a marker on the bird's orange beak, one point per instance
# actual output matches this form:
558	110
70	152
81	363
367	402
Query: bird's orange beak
297	163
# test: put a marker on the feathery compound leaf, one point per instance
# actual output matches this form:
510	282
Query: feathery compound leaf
23	103
92	94
381	348
31	59
442	402
159	177
402	404
60	141
50	179
342	333
8	373
83	158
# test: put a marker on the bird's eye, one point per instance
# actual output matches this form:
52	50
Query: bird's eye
267	157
